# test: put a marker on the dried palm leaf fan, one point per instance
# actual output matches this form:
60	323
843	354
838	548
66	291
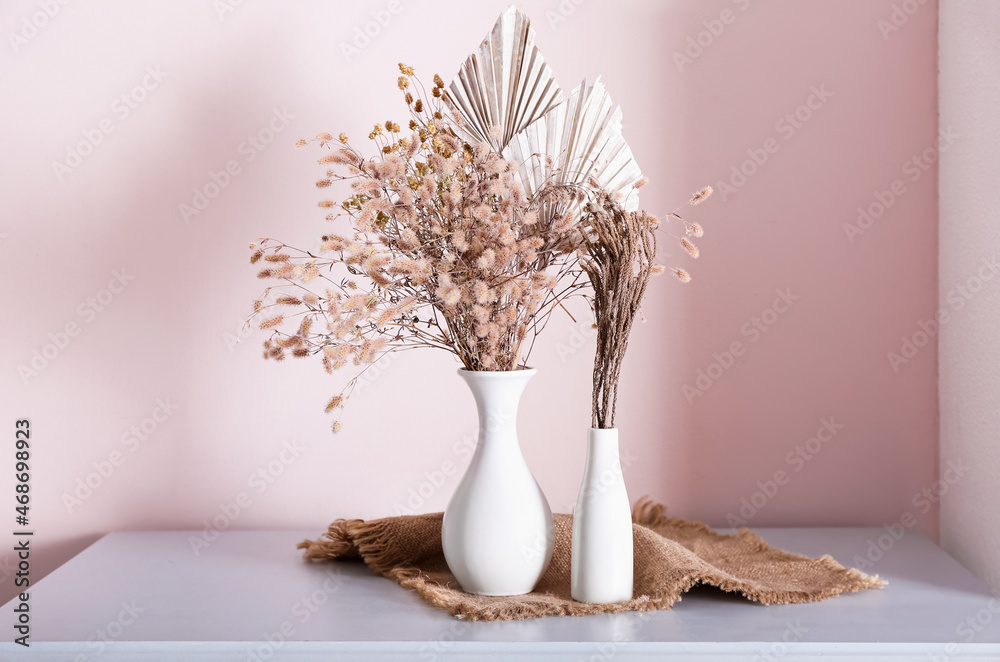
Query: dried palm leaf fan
505	85
505	95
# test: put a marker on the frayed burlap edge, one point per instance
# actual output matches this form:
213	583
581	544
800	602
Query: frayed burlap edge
652	515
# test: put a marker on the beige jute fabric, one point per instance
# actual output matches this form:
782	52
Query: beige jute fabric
671	556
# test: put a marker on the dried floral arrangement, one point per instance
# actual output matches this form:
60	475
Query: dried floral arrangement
466	230
446	249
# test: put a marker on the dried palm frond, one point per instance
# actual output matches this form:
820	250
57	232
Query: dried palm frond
579	142
504	86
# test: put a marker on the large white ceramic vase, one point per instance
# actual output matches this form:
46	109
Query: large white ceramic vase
497	533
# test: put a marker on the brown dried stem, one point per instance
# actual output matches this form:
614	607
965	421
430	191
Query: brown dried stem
620	249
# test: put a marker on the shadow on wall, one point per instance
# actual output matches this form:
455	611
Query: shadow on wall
141	222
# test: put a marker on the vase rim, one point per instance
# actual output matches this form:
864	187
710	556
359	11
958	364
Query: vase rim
517	371
603	435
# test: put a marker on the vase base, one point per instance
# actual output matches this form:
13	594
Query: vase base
593	600
497	595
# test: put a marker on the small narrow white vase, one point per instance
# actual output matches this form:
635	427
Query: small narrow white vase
497	533
601	566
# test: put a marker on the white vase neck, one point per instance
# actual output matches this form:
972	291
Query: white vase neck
602	447
497	396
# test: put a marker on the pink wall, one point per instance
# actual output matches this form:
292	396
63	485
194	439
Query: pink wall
166	336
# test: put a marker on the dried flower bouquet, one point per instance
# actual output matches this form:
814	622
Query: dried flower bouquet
444	249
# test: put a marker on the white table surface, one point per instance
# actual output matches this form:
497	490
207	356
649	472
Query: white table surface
250	597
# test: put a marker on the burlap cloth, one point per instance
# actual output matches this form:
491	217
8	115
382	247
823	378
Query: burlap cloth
671	556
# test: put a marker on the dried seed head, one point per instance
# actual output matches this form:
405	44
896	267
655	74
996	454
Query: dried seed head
405	69
682	275
274	321
691	249
695	229
700	196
